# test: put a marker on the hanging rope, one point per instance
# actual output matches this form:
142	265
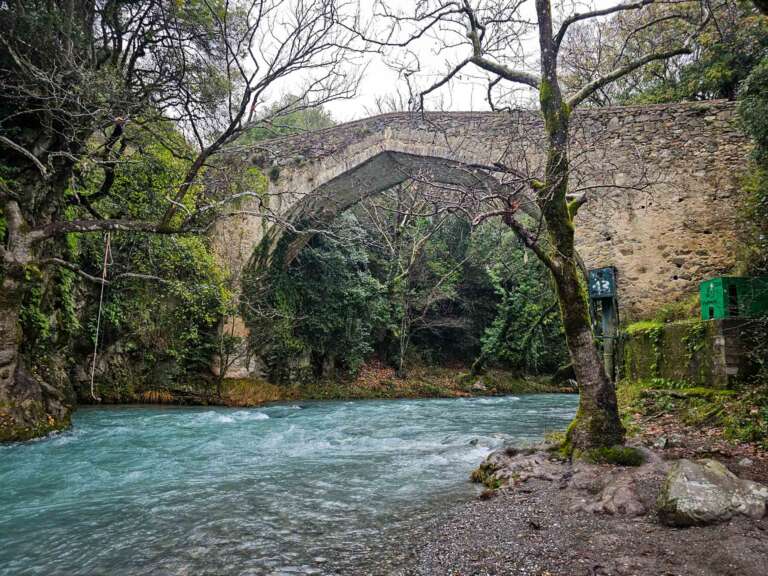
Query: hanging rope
107	258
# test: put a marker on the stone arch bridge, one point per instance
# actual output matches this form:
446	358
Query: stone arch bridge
662	183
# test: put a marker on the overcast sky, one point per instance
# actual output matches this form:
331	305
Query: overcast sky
466	92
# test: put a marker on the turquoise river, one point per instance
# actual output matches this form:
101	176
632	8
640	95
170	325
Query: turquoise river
308	488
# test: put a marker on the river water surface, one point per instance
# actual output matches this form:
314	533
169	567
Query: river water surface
309	488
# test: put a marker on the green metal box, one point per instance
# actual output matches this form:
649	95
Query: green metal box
733	297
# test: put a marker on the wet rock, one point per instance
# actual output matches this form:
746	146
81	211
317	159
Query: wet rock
593	488
676	440
517	466
587	479
612	491
706	492
618	496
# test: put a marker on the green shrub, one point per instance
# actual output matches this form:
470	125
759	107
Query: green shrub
643	326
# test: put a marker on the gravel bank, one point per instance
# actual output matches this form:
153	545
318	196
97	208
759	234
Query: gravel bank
532	531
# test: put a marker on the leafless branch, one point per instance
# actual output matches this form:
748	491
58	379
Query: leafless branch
98	280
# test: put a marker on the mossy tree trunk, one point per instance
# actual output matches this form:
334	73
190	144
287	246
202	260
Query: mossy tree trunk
28	406
17	254
597	422
10	339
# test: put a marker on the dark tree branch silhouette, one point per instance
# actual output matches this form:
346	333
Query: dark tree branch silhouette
496	37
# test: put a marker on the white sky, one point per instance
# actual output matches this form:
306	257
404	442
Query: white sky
466	92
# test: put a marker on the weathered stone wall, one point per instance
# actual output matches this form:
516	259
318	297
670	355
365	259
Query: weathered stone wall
668	237
662	182
708	353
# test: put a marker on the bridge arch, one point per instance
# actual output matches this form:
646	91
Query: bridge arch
663	238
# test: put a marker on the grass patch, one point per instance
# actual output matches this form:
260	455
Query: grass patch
250	392
685	309
555	439
643	326
741	413
156	397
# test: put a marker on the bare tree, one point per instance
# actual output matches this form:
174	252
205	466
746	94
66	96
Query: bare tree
497	37
79	79
594	47
401	222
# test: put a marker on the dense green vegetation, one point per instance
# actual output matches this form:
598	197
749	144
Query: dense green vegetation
465	298
741	414
164	298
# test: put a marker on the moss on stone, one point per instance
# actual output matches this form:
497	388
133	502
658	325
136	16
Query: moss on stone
643	326
617	455
593	430
11	431
485	474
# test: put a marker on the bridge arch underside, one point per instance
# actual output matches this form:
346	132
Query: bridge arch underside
455	183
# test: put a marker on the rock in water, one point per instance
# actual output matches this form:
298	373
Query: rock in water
479	387
706	492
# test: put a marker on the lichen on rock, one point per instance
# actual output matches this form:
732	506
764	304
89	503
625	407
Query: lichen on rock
706	492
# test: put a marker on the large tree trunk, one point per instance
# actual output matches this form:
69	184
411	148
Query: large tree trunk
10	339
597	422
29	407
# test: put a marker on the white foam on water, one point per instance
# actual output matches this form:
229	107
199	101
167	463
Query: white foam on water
205	489
250	415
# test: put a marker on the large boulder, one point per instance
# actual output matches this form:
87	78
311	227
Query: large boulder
706	492
593	488
510	466
605	490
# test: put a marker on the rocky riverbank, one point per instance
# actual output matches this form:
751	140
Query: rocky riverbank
544	516
375	381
